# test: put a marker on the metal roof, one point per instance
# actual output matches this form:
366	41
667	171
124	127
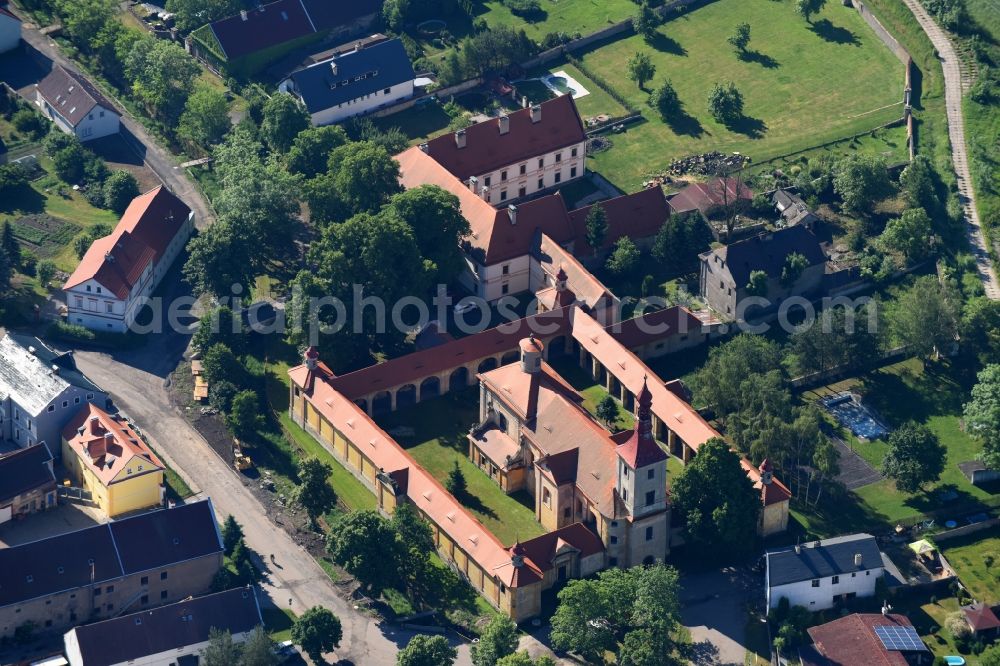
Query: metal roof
821	559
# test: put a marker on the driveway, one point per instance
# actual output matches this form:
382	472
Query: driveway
714	609
953	89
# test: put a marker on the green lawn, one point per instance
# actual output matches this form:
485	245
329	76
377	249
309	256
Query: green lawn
278	622
591	391
806	85
888	143
570	16
596	102
901	392
966	554
441	426
420	123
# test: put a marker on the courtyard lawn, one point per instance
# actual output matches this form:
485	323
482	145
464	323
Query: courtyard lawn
440	427
968	555
803	85
420	123
591	391
931	394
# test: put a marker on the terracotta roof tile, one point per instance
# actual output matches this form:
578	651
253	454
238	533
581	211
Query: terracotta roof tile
636	215
108	445
981	617
705	196
851	640
487	150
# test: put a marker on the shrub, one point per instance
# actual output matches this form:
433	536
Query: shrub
524	8
665	100
28	122
46	271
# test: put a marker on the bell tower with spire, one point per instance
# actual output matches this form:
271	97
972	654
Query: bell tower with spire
642	464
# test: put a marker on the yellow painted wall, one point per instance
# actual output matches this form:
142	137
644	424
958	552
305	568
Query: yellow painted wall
129	492
326	430
340	446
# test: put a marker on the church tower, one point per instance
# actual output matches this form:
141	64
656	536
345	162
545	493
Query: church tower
642	464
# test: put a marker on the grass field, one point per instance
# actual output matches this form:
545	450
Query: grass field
803	85
441	426
902	392
592	104
968	556
570	16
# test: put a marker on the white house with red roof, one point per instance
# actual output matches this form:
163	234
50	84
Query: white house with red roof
10	30
121	270
514	156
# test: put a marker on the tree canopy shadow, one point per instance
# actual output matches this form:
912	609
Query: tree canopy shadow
834	33
760	58
684	124
24	199
668	45
754	128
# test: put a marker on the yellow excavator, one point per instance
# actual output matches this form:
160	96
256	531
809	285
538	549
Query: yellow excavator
241	461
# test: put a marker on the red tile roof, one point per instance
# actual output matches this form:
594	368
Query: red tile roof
704	196
636	215
268	25
538	553
437	359
770	493
71	95
487	150
108	445
654	326
980	617
117	260
641	449
851	640
554	258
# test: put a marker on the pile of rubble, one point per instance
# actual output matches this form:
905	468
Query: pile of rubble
708	164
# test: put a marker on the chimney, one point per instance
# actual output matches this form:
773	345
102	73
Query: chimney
504	123
108	438
333	67
485	192
536	113
524	102
798	549
561	279
80	431
531	354
512	212
311	358
55	369
243	14
460	139
424	147
94	425
517	555
858	560
473	183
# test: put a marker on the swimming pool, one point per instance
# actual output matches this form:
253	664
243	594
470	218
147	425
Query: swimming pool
955	661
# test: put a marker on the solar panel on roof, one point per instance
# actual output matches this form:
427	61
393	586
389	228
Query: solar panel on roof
900	639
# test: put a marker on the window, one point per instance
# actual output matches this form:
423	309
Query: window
76	400
90	396
541	183
98	290
504	289
614	523
110	589
524	169
558	158
386	91
102	114
51	408
625	472
815	582
614	539
572	153
541	162
88	287
625	494
612	561
546	497
97	591
505	269
144	599
868	573
486	181
144	580
163	594
558	176
572	172
111	607
522	191
651	473
566	512
90	117
650	497
649	534
163	575
503	195
503	175
835	580
854	575
77	302
109	307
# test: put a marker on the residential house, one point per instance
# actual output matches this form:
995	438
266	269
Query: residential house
171	634
105	456
353	83
793	209
248	41
724	279
822	574
534	435
982	620
120	271
40	391
514	156
105	570
888	639
27	484
713	198
10	30
75	105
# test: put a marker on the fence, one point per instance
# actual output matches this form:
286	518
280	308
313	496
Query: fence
458	88
965	529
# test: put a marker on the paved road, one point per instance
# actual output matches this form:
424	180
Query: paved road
951	65
159	159
714	609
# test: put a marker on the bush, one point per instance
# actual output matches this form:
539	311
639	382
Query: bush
665	100
46	271
28	122
526	9
60	330
119	190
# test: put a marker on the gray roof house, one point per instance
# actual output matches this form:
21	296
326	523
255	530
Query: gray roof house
355	82
793	209
821	574
167	634
725	271
40	391
27	483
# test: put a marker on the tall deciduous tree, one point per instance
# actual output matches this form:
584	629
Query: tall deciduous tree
982	414
725	103
221	650
909	234
310	151
10	245
644	23
624	259
313	493
364	543
795	265
861	180
925	316
757	286
162	76
665	100
740	39
980	328
718	382
917	184
205	119
597	227
317	631
718	501
915	457
679	241
809	8
362	177
284	118
607	410
438	227
497	640
258	649
245	417
640	68
425	650
119	190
